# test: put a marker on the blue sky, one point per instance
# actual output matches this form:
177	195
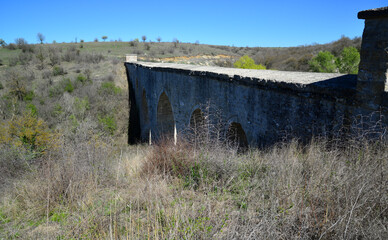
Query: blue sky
270	23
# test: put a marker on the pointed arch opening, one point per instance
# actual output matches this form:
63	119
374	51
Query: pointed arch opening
236	136
197	128
144	107
197	120
165	117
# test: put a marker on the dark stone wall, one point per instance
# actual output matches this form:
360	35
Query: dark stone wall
268	105
268	111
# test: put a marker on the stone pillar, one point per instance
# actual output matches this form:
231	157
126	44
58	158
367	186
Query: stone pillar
372	73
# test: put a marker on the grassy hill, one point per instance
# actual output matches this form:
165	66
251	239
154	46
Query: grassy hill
66	171
287	58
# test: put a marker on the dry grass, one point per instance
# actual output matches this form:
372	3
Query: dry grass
87	190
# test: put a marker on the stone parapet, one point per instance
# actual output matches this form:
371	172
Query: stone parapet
374	13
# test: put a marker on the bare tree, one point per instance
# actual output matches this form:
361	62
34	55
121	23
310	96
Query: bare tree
176	42
2	42
144	38
159	39
40	37
20	41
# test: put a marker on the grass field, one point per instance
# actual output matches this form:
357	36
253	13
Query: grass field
287	58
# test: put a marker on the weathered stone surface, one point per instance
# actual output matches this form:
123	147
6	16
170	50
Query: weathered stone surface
374	13
372	76
269	105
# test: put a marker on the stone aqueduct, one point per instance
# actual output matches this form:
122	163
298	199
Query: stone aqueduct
261	107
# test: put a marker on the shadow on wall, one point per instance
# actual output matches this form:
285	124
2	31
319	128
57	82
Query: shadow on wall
165	117
134	120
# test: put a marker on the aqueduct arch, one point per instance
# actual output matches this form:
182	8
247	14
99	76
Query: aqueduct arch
236	136
197	120
165	117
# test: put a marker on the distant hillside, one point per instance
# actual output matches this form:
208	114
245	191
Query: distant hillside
284	58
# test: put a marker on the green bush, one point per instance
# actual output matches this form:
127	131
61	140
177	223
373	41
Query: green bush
110	88
69	86
82	79
247	63
108	123
58	70
1	86
29	96
62	86
32	109
27	131
81	105
323	62
348	60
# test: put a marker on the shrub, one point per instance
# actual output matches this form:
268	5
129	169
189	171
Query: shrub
110	88
29	132
28	48
58	70
25	57
108	123
68	86
133	43
17	83
81	78
92	58
169	159
88	74
12	61
247	63
54	57
65	85
57	110
11	46
29	96
47	74
349	60
70	54
1	86
81	105
323	62
32	109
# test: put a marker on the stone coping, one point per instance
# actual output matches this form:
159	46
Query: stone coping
332	84
374	13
